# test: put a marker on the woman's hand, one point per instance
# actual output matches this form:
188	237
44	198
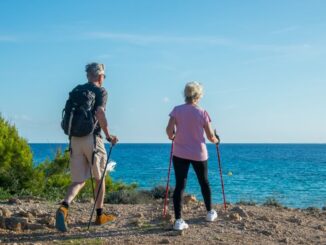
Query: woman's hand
172	138
170	128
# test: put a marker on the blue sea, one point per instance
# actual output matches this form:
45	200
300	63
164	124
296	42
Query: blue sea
294	174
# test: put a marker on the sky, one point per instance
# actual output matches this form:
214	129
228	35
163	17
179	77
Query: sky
262	65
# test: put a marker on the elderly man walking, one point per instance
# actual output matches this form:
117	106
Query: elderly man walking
87	152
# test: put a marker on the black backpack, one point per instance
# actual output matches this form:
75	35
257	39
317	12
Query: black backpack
78	117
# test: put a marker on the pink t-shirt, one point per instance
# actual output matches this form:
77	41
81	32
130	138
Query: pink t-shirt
189	142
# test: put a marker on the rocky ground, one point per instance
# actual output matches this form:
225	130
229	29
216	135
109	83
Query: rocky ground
31	221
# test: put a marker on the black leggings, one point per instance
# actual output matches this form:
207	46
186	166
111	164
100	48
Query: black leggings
181	167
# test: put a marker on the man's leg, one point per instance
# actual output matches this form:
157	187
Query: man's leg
73	191
101	218
79	170
98	167
100	198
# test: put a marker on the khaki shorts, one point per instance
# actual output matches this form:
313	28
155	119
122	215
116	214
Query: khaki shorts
81	158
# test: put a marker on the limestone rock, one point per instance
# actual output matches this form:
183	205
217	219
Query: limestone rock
47	220
295	220
321	228
139	215
38	212
136	222
16	223
235	217
189	199
274	226
26	214
165	241
240	211
6	212
266	233
34	226
285	240
265	218
168	218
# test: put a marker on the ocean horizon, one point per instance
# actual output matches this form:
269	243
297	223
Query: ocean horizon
293	174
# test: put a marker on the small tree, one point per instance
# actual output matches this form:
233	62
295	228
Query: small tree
16	160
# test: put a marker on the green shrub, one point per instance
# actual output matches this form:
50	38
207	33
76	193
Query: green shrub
56	174
272	202
158	192
128	197
312	209
4	194
246	202
16	165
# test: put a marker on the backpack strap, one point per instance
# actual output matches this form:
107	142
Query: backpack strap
69	146
94	149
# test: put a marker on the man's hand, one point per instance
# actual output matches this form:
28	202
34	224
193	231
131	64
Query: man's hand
112	139
172	137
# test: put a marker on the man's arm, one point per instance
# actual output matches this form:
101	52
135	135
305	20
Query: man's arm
100	116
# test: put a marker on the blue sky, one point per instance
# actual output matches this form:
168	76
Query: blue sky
262	64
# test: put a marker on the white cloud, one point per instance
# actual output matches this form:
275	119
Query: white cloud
147	39
285	30
166	100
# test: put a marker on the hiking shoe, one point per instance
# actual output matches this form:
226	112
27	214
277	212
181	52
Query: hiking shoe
211	216
61	219
180	224
104	218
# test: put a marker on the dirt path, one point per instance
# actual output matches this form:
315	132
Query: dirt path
31	221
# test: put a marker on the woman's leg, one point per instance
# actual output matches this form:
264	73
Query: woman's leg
181	167
201	172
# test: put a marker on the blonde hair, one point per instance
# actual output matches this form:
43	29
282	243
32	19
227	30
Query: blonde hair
193	91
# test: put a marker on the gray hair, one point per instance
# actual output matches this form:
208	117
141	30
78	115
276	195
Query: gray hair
193	91
94	69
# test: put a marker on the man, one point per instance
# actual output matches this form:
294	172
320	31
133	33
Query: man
88	153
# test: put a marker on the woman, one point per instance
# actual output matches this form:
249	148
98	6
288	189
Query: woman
189	121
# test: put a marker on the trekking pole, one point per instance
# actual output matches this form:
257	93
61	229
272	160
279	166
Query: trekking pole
99	188
220	167
90	169
167	184
92	182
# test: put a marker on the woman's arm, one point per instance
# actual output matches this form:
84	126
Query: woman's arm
170	129
210	133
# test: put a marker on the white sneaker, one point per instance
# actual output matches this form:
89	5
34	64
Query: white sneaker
211	216
180	224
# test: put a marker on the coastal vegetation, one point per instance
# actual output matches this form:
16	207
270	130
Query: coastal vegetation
51	178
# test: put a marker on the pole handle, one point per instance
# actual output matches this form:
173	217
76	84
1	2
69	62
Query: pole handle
218	137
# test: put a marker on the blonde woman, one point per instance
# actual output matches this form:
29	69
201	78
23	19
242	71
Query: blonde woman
189	122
